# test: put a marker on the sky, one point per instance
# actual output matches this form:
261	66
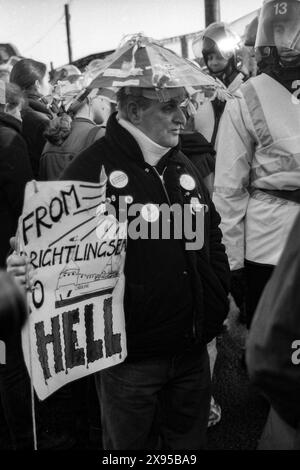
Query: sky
37	27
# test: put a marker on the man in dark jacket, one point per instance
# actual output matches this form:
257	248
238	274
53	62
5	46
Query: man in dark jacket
15	169
31	76
273	352
175	293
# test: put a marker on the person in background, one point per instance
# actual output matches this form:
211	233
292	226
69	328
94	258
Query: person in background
257	183
5	70
195	146
219	46
14	386
201	153
221	50
13	312
32	78
15	390
249	43
68	76
15	168
273	349
71	132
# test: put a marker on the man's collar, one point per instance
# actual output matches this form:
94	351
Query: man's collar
120	137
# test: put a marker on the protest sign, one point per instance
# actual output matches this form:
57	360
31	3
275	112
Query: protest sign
76	322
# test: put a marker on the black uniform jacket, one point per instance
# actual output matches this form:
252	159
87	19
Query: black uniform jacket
173	296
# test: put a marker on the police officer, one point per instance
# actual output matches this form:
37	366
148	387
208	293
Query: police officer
219	47
257	184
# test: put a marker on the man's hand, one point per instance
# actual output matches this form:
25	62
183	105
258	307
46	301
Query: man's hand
19	267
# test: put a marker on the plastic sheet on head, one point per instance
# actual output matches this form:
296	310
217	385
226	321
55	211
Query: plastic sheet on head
141	62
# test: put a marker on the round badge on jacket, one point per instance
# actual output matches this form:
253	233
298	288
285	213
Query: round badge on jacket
128	199
187	182
150	212
118	179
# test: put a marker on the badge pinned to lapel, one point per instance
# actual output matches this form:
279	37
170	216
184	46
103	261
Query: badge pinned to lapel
128	199
150	212
118	179
187	182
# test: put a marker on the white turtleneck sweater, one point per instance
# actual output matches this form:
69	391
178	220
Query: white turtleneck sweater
152	152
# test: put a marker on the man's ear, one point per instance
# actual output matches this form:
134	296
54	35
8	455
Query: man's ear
37	85
134	112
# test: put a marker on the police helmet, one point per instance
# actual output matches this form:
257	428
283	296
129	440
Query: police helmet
278	32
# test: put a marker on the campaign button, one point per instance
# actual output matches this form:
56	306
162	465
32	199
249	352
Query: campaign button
128	199
150	212
118	179
187	182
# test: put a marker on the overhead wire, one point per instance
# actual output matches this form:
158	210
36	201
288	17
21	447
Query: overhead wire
45	34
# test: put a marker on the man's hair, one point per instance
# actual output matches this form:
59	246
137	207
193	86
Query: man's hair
25	73
123	98
13	96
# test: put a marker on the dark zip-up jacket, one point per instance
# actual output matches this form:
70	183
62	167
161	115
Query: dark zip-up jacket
15	171
35	116
173	296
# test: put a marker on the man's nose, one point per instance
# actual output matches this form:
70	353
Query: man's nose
179	116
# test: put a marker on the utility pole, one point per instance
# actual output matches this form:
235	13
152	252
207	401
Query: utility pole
67	16
212	11
184	46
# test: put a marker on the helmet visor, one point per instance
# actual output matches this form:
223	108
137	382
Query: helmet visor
279	26
217	36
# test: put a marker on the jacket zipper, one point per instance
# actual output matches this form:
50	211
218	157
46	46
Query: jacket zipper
162	183
169	202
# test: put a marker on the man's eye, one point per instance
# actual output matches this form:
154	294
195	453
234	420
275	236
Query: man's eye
168	108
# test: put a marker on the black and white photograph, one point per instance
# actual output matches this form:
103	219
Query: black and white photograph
149	228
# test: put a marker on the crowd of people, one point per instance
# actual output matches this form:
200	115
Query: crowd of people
238	158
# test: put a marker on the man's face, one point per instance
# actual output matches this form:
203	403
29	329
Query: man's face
216	62
64	87
286	40
44	86
162	122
